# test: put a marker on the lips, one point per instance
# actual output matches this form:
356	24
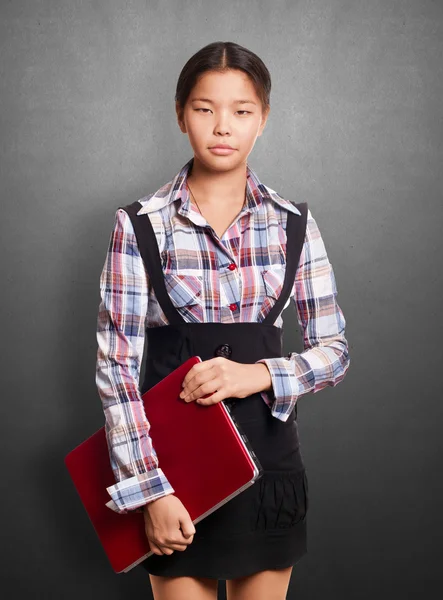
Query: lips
223	146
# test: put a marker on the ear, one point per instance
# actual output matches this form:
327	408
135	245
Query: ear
264	119
179	111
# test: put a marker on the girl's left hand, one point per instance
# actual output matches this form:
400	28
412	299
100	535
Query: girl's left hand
219	378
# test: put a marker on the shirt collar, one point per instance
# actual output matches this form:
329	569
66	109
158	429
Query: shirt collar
177	189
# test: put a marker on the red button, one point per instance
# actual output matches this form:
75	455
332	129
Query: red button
231	267
232	306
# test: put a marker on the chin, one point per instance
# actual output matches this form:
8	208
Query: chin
220	163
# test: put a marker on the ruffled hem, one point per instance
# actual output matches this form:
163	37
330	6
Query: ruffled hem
275	502
281	500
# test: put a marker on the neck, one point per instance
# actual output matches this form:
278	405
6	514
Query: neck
215	188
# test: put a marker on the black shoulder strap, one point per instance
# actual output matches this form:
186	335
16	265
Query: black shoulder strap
295	237
150	253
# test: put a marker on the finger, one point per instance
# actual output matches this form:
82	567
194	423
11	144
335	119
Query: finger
197	368
216	396
198	375
179	547
206	392
203	388
172	546
156	549
180	541
210	387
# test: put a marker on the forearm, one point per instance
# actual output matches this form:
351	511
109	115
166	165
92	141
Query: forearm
321	366
301	373
138	478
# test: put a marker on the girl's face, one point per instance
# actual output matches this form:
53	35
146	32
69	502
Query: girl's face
213	115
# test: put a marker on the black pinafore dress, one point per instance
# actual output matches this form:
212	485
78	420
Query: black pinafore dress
263	527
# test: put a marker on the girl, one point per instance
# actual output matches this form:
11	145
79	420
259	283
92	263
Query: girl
205	266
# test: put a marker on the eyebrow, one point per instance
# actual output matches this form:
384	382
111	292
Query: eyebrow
235	101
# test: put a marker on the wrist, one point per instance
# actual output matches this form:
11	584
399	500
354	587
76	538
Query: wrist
147	506
264	379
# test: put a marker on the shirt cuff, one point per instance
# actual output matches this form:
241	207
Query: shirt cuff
285	387
131	495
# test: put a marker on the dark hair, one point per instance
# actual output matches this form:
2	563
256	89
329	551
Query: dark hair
223	56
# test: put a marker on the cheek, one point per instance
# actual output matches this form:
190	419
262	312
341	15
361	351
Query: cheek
198	129
251	128
192	121
249	134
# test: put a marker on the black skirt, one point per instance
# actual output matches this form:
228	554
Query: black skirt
263	527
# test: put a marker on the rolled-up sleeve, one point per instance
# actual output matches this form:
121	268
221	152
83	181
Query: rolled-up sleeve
325	359
120	336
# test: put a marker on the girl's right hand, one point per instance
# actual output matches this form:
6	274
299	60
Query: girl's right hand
168	525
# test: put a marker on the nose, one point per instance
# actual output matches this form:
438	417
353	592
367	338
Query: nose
222	125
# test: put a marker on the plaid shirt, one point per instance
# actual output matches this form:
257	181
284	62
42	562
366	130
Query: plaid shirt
229	280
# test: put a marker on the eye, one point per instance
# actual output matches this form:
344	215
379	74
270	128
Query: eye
246	112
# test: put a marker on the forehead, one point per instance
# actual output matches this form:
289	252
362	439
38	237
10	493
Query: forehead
227	86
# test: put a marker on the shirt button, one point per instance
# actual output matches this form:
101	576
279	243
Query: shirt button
224	350
231	267
232	306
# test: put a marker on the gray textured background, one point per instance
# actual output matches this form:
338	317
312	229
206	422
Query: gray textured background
88	123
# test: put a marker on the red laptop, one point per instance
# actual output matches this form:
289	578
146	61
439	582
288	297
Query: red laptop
183	434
